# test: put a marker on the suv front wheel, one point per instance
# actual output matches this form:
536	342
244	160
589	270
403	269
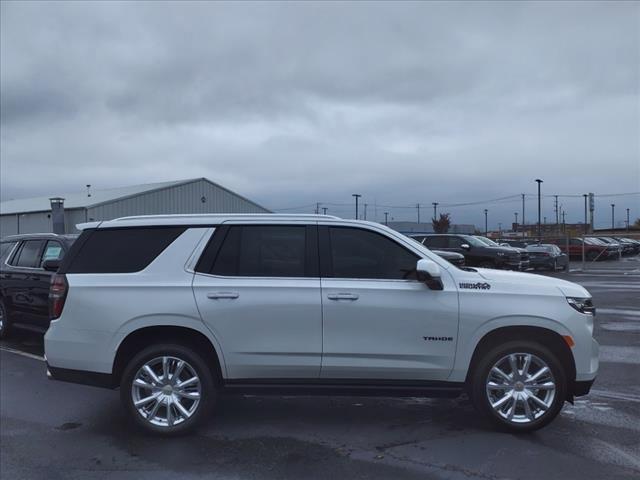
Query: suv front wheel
167	389
520	386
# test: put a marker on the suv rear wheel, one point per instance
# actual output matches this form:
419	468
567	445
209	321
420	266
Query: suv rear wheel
519	386
167	389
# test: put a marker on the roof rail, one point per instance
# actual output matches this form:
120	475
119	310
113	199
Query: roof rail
227	215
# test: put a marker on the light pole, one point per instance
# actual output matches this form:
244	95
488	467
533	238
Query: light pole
539	208
486	229
613	216
418	208
356	196
435	210
523	222
627	219
386	215
365	211
586	226
516	223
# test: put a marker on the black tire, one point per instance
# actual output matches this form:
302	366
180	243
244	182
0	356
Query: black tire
5	326
565	267
196	361
554	267
591	256
478	385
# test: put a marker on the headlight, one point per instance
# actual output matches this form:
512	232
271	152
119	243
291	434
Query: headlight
583	305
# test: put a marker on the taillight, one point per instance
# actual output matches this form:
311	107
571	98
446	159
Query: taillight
57	295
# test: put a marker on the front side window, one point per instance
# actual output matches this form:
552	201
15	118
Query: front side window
29	254
262	251
436	242
358	253
53	251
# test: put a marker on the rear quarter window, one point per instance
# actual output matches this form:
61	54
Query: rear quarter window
122	250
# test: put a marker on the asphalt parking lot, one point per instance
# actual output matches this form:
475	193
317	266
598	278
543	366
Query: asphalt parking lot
55	430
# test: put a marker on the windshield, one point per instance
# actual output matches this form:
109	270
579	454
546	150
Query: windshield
475	241
487	241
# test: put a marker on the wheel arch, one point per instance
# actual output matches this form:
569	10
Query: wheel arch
545	336
145	336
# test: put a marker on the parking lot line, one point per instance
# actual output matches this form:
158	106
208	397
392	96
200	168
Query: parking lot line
22	354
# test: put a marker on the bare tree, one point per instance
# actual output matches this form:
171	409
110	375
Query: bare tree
442	224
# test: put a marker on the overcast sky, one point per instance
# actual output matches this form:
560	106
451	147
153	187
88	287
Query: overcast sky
292	104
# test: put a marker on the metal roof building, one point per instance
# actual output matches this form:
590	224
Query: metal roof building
197	195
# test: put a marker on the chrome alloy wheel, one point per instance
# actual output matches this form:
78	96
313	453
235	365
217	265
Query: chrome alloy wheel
166	391
520	388
1	319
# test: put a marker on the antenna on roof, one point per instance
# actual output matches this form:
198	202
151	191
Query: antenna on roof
88	190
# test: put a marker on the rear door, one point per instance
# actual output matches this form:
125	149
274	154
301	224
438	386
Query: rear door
25	275
380	323
258	290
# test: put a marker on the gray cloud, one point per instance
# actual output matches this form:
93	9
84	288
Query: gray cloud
293	103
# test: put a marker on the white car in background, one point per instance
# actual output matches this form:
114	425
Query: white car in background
175	310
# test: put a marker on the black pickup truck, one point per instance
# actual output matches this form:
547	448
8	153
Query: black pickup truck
476	252
24	283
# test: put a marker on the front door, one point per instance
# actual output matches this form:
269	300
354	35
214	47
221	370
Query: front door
379	322
260	296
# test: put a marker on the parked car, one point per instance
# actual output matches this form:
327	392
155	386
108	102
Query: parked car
614	244
548	256
24	283
476	252
519	243
178	309
633	246
524	254
593	250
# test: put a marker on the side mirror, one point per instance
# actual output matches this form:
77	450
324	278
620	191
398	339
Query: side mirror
51	265
466	246
429	273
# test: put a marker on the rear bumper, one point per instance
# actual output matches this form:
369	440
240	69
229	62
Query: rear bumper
582	388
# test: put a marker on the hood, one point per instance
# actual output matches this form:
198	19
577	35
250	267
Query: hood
568	289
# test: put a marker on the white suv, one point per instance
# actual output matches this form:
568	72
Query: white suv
176	309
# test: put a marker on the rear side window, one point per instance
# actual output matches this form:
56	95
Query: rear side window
358	253
123	250
436	242
29	254
263	251
5	249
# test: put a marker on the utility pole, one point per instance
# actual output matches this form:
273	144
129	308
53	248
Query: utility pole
627	219
586	225
435	210
365	210
418	209
317	208
386	215
324	210
88	189
500	228
516	223
539	208
563	222
556	210
613	216
523	222
356	196
486	228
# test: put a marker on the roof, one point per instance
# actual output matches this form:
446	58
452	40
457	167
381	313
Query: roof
98	197
205	219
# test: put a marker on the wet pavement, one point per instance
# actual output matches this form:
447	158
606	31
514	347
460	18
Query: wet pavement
51	430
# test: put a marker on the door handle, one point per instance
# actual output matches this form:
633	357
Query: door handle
342	296
217	295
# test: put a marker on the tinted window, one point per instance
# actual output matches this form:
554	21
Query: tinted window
5	250
122	250
456	242
53	251
357	253
29	254
262	251
436	242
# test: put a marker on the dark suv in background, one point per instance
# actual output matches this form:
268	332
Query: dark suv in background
476	252
24	283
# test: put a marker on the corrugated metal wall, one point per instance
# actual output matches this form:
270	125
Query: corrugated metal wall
179	199
38	222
